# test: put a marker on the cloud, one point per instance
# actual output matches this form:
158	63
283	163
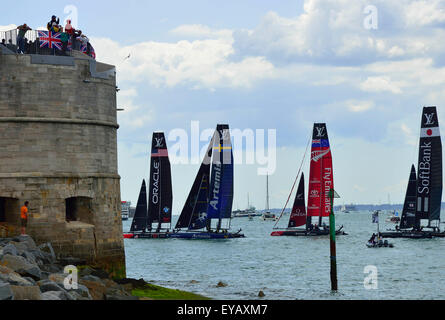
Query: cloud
378	84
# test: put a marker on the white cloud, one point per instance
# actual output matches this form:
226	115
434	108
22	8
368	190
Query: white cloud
359	106
378	84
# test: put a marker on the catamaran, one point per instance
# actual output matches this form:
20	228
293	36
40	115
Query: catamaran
211	196
152	218
424	193
321	182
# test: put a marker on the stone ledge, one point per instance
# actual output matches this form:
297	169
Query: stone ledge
24	175
58	120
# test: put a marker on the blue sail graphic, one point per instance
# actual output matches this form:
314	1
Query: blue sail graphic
221	183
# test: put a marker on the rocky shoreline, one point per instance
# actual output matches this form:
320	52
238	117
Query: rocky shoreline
29	272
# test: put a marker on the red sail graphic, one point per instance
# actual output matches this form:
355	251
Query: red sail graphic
298	214
321	178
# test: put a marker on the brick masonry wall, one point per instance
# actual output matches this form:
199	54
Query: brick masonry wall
58	139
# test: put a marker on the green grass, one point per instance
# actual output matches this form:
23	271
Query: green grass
159	293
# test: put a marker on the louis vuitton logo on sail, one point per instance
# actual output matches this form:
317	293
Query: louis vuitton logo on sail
429	119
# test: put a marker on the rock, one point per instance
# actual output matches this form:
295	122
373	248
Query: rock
52	295
133	282
86	271
48	285
101	274
16	280
31	280
121	298
82	291
51	268
96	288
91	278
57	278
26	293
27	241
29	257
194	282
6	292
21	266
10	249
221	284
261	294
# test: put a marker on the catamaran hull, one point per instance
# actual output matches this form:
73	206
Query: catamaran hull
205	235
161	235
304	233
411	235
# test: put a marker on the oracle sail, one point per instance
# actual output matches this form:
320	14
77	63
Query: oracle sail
321	179
156	207
160	196
429	178
298	213
139	223
409	207
211	196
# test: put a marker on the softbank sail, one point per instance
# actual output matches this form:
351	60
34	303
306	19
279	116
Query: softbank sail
207	212
421	212
153	214
321	181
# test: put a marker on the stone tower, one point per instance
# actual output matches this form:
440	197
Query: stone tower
58	150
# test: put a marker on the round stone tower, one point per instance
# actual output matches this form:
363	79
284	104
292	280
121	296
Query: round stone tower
58	150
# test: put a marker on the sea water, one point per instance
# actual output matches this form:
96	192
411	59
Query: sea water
288	268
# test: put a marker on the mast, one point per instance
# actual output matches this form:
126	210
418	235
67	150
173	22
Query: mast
429	178
267	193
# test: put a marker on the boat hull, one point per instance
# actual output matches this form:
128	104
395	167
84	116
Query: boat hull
411	235
305	233
206	235
155	235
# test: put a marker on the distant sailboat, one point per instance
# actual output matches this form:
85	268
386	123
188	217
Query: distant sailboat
320	183
211	196
151	217
426	196
267	215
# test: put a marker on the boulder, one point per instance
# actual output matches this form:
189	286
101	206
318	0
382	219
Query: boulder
101	274
21	266
52	295
16	280
48	285
261	294
82	291
222	284
27	241
26	293
86	271
6	292
96	288
10	249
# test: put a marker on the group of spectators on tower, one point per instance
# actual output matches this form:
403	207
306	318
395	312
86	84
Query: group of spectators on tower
68	35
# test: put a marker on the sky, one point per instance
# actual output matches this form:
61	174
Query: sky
365	68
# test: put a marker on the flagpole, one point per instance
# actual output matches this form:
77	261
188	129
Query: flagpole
334	286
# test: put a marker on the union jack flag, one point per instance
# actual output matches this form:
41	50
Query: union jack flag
49	39
83	49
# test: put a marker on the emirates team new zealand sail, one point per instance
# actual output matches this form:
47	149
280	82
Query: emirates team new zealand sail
321	181
152	218
209	203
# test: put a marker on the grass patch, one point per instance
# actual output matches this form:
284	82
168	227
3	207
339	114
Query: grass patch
159	293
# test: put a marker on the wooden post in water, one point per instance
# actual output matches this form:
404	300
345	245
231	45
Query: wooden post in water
334	286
